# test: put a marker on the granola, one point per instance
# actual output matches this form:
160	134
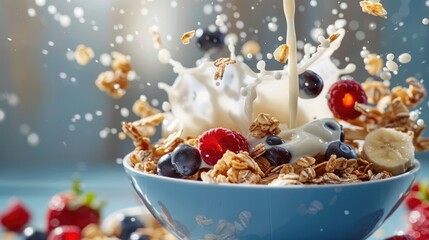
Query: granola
281	54
83	54
373	8
221	64
264	125
187	36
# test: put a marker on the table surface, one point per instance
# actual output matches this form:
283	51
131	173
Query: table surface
35	185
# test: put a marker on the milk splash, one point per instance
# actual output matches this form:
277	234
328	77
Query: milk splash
199	103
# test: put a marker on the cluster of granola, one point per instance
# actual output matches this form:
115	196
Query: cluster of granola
115	82
390	109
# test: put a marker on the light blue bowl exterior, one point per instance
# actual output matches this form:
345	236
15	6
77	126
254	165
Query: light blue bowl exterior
346	211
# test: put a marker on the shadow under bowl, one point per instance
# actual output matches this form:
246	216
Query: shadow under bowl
195	210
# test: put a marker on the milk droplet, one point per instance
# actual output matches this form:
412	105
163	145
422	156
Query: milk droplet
40	3
33	139
65	21
31	12
404	58
166	107
414	115
385	75
273	27
261	65
88	117
392	66
164	56
390	57
425	21
125	112
98	113
420	122
78	12
105	59
2	115
103	133
52	9
364	53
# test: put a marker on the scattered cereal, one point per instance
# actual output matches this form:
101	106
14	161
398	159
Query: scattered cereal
83	54
281	54
187	36
373	8
221	64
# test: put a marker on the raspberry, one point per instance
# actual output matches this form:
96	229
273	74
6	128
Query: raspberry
342	97
215	142
15	217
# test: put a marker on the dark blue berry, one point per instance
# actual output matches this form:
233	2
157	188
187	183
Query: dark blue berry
186	160
129	224
30	233
207	40
274	140
310	84
165	167
340	149
277	155
138	236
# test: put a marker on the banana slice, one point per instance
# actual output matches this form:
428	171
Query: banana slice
389	149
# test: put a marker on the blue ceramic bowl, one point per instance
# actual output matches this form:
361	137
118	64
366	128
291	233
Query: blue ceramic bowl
195	210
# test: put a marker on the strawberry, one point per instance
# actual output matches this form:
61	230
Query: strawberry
400	237
65	233
15	217
73	208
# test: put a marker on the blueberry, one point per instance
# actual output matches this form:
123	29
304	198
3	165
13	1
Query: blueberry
277	155
186	160
274	140
207	40
138	236
165	167
340	149
129	224
310	84
33	234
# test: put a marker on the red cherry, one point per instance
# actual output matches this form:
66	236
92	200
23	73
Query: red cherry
65	233
419	219
215	142
342	97
15	217
415	188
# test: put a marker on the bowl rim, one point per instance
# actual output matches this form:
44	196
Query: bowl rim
126	163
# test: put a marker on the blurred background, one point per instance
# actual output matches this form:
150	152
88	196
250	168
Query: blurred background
55	122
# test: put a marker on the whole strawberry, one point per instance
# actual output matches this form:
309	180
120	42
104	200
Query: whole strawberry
73	208
15	217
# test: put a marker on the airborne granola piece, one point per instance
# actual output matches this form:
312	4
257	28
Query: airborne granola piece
142	109
187	36
121	63
281	54
334	37
113	83
373	8
221	64
264	125
83	54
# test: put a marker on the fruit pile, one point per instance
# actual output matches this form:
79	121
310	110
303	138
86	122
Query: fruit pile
73	215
